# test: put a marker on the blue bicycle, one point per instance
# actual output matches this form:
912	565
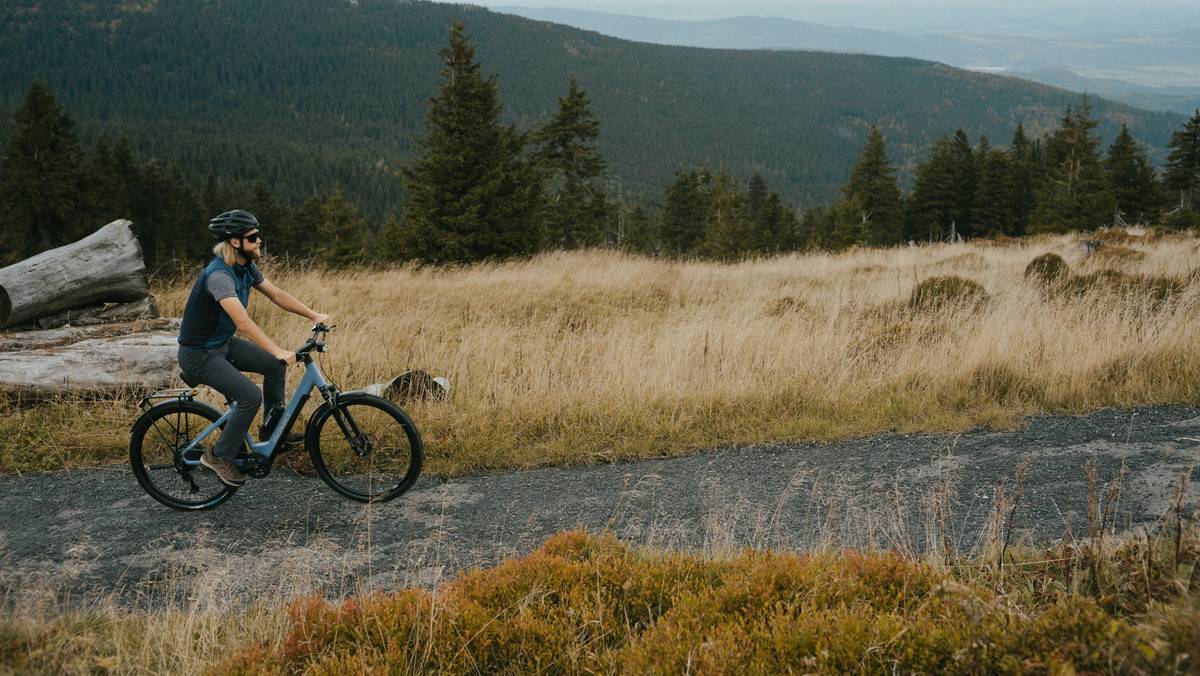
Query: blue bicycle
362	445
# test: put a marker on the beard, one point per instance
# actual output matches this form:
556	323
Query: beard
252	256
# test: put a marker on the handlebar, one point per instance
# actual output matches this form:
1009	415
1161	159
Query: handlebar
313	344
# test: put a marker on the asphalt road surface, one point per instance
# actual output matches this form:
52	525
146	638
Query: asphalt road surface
87	536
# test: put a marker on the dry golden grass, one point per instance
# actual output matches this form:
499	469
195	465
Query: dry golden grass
594	356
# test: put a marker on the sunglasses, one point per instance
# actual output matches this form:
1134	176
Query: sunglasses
252	237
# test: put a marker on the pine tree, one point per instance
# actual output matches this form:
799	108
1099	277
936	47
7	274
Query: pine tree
1181	174
42	179
995	213
685	214
1075	195
869	211
943	193
577	210
728	234
278	222
639	234
1027	176
1131	179
341	232
471	195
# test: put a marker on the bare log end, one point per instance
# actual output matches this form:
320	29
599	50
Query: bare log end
411	386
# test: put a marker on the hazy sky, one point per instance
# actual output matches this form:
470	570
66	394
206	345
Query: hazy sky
1057	16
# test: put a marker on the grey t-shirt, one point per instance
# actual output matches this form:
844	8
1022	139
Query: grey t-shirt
220	283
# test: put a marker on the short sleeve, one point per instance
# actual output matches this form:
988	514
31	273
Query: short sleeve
256	275
220	285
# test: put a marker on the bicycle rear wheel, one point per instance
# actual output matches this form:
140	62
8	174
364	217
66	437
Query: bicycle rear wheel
156	453
365	448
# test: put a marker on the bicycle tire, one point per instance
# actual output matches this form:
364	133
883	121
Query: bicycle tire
393	457
155	443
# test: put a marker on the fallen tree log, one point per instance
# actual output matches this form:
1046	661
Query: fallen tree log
67	335
134	363
104	267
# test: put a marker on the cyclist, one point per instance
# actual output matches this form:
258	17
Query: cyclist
209	350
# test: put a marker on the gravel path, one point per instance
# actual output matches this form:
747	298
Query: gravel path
93	534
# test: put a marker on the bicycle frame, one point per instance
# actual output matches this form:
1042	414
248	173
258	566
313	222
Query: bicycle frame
265	450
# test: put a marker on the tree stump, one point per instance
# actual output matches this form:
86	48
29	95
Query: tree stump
104	267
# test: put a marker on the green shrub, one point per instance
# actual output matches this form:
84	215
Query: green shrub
937	293
1048	268
589	604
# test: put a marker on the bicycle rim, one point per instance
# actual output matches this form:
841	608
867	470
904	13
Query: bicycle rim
378	461
155	448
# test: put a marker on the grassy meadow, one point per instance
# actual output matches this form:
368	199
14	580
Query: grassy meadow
592	357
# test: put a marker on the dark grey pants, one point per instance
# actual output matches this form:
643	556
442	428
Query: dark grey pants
221	369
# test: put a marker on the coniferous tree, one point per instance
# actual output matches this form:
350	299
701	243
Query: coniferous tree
728	234
1181	175
341	234
577	210
42	179
638	233
996	195
869	212
471	195
278	222
1075	195
943	195
685	214
1027	176
168	219
1131	179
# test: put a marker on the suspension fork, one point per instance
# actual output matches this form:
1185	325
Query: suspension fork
345	421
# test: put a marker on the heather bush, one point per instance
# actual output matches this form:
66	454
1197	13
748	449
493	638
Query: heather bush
947	291
589	604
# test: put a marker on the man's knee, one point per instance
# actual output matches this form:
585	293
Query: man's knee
249	397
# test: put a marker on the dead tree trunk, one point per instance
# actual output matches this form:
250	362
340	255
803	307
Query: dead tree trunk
131	363
104	267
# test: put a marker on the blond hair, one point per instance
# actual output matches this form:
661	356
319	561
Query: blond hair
226	251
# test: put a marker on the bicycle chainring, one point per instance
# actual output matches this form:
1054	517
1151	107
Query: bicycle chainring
257	467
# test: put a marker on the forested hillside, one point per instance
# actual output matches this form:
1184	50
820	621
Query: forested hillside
312	94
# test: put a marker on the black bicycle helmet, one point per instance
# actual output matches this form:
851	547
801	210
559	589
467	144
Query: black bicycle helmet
232	224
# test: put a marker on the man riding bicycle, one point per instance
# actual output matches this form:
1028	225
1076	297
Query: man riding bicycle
212	354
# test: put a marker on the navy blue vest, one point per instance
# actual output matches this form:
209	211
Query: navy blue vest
206	325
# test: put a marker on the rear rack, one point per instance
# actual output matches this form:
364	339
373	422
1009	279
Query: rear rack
188	394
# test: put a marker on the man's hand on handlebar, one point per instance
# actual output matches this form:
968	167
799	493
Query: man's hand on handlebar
320	320
287	358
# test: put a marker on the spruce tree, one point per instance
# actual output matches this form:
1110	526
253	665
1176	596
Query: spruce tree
1181	174
277	220
685	213
1075	195
1027	176
471	194
341	232
577	210
42	179
869	212
728	234
1131	179
996	196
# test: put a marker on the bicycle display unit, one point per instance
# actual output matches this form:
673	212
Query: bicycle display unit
362	445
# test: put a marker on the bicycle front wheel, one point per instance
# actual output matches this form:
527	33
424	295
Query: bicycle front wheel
156	453
365	447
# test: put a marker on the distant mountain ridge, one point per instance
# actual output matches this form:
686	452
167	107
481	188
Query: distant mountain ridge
311	93
1162	60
